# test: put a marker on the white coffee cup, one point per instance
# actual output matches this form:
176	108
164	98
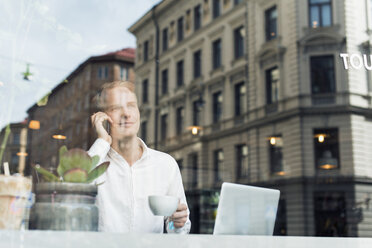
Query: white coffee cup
163	205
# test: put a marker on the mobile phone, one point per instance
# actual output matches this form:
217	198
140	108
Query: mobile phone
106	125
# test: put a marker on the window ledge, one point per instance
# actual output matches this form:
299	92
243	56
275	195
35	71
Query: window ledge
216	71
237	60
178	88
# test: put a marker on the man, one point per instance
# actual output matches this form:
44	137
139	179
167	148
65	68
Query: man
135	171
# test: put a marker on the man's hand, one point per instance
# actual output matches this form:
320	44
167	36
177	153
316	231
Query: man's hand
179	217
97	122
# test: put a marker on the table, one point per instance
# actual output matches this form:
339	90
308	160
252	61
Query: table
57	239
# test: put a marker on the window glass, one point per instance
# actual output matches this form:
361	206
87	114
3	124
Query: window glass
216	46
217	106
322	74
197	17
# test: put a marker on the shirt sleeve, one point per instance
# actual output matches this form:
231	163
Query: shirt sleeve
176	189
100	147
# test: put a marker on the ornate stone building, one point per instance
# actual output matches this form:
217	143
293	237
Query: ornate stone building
264	85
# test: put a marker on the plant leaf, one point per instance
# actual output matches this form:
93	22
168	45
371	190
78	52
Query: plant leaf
48	176
62	151
95	160
74	158
98	171
76	175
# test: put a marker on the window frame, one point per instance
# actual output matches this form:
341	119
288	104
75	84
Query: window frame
269	85
332	145
217	106
268	23
319	8
180	29
180	117
312	79
164	126
164	81
197	17
216	8
165	39
180	73
218	164
275	155
240	159
238	43
217	54
197	62
239	110
145	91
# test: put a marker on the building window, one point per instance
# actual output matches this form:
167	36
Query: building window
322	75
242	163
271	16
146	51
196	105
193	165
14	160
218	158
239	42
103	72
320	13
180	29
236	2
144	131
165	39
197	64
240	99
216	8
163	126
216	46
179	73
124	75
145	91
330	214
281	219
272	85
276	155
326	148
217	106
164	81
16	138
180	164
180	113
197	17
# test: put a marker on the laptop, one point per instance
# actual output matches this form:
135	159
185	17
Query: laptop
246	210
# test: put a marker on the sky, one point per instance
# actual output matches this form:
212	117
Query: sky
54	37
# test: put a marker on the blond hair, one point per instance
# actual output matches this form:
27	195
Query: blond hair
100	97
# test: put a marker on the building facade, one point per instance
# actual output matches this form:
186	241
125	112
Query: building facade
64	115
263	85
14	151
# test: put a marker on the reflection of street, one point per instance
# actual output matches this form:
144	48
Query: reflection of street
65	117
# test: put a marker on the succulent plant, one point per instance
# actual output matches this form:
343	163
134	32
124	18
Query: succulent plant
75	166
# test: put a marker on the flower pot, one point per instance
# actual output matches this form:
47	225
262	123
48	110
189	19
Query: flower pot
15	197
65	206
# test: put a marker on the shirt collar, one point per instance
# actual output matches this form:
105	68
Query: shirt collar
145	150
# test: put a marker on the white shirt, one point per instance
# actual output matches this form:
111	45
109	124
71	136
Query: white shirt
123	197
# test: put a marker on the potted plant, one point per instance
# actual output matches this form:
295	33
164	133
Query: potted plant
67	200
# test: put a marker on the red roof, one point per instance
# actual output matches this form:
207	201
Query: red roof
126	52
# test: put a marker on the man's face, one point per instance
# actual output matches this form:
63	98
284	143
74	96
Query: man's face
121	106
